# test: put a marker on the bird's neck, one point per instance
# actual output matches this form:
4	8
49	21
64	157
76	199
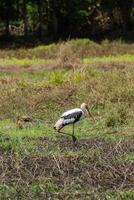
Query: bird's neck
85	112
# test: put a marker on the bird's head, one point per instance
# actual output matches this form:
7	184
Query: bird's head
86	110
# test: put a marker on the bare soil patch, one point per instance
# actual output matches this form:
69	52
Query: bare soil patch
100	171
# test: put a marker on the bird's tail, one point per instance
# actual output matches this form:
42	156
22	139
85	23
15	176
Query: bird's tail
59	124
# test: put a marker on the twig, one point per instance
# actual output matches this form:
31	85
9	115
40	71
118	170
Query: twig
57	163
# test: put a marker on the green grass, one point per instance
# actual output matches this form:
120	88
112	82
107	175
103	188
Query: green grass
37	191
25	62
111	58
43	47
16	139
35	61
126	195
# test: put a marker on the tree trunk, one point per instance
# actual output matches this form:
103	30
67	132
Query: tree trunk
125	9
55	25
40	29
7	17
25	19
54	17
7	26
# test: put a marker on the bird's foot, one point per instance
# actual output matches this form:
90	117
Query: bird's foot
74	139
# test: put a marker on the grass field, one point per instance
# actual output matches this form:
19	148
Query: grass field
44	81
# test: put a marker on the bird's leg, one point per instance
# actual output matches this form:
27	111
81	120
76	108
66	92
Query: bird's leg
59	131
73	137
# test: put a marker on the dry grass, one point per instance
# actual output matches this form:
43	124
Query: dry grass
81	47
99	170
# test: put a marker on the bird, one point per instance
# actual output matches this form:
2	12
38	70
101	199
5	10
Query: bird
23	121
71	117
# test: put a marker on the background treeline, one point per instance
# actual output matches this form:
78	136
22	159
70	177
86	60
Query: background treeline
56	19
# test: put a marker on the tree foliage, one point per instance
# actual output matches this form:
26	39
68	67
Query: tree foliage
66	18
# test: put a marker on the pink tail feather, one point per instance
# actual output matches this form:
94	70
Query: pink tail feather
59	124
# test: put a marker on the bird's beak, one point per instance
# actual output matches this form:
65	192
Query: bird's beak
90	115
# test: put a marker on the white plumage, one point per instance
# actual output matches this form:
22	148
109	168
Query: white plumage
71	117
72	111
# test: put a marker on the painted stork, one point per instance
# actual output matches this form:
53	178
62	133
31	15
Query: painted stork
71	117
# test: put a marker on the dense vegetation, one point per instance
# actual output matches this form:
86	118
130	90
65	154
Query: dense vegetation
56	19
38	163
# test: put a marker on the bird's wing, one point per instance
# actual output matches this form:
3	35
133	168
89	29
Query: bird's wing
71	111
72	116
26	119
